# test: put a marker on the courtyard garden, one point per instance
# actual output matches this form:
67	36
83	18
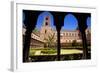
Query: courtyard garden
50	54
46	51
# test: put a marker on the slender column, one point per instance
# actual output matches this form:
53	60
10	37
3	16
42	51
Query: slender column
58	45
85	49
58	22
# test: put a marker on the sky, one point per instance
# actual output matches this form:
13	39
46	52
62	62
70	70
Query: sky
70	22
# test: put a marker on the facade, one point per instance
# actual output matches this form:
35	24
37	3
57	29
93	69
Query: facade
66	36
36	41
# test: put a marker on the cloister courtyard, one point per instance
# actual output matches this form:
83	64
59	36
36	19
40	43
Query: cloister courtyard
56	36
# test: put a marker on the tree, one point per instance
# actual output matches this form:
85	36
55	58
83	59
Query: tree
35	30
50	40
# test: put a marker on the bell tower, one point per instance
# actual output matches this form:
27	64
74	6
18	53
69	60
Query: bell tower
47	21
46	29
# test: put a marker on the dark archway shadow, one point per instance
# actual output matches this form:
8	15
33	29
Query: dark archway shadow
82	27
30	23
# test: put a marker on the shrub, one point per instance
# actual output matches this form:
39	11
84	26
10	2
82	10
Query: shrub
52	51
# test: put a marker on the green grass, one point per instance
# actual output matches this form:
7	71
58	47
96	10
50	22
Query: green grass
70	51
47	51
51	51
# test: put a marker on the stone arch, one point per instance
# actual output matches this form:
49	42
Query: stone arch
70	21
81	17
46	22
82	26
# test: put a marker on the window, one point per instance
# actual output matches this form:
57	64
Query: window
69	34
75	34
46	18
45	31
66	34
46	23
72	34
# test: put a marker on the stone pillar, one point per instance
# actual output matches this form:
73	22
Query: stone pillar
30	23
81	17
58	22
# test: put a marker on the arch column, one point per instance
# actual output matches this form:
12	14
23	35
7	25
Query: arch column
58	22
30	23
81	17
